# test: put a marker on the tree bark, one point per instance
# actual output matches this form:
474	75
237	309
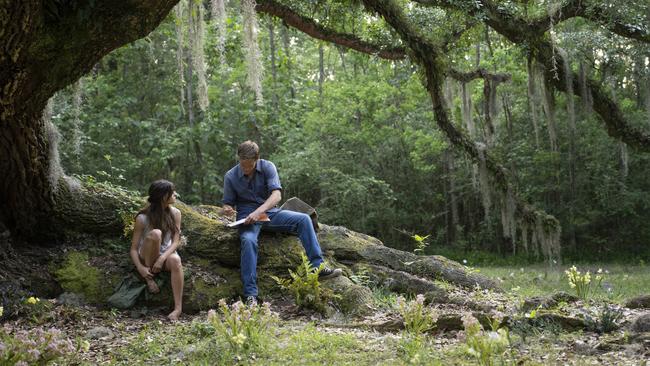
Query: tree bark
46	48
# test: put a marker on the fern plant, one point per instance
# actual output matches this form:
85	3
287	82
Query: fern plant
304	286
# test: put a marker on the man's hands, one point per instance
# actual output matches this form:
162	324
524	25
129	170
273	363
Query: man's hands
228	210
253	217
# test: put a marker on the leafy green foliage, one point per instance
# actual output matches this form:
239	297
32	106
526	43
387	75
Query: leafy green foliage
607	319
487	347
418	318
244	328
303	284
421	243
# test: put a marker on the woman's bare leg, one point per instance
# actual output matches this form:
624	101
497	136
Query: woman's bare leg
149	253
173	265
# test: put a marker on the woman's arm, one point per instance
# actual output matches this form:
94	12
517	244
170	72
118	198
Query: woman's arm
138	231
176	240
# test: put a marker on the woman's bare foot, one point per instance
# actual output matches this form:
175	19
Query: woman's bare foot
152	286
174	315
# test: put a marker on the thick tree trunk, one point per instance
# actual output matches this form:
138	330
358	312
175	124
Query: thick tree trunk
45	47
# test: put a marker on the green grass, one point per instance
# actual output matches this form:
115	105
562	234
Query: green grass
296	342
310	346
623	281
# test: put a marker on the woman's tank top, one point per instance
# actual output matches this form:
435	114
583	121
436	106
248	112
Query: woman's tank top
166	242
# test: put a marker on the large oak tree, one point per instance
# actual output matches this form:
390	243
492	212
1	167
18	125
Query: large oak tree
47	45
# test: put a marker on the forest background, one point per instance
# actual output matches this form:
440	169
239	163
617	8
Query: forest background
355	136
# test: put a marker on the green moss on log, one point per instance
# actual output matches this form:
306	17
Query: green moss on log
76	275
352	299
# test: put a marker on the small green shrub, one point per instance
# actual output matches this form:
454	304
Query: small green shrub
362	278
530	325
305	288
417	317
76	275
128	221
36	310
411	348
33	347
383	297
486	347
421	243
607	320
244	328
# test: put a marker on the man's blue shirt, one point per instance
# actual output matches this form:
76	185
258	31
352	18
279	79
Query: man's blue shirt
246	195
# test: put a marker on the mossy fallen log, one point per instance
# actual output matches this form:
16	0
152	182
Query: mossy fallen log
211	256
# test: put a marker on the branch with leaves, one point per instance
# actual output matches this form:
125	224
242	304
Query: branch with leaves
520	31
315	30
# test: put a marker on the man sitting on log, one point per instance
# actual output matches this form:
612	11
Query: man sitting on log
252	189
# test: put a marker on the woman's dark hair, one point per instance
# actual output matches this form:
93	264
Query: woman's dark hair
158	218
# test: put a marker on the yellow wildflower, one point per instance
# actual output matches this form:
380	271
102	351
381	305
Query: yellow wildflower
33	300
239	339
84	345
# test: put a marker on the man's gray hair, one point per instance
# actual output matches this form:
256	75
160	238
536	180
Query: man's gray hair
248	150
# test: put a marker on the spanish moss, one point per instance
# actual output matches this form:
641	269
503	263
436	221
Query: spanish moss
179	11
197	42
450	96
546	238
533	99
524	236
253	53
624	159
219	18
508	223
467	111
568	80
548	104
585	92
484	183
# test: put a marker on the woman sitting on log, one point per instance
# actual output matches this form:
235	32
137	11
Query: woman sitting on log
156	236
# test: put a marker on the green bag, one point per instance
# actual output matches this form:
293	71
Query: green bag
132	287
127	292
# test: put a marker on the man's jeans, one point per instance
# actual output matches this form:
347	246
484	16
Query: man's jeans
283	221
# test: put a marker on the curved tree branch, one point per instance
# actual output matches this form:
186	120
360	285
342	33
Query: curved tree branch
572	9
519	31
480	73
435	70
596	14
315	30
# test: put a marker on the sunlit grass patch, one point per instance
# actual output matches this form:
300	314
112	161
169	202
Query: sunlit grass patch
311	346
620	281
